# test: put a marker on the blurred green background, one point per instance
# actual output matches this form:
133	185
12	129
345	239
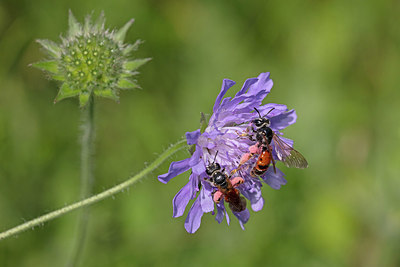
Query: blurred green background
336	62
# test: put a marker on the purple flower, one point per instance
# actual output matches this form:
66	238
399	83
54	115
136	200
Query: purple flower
224	135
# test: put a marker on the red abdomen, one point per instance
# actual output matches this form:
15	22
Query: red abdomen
236	202
262	164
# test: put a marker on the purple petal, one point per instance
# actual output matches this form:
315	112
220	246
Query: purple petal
246	86
283	120
243	217
255	197
274	180
192	137
250	100
182	198
206	201
257	89
225	101
272	109
228	220
258	204
193	220
220	212
264	84
195	159
226	84
175	169
211	135
199	168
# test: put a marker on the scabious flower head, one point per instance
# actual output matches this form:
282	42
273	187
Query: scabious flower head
223	135
91	60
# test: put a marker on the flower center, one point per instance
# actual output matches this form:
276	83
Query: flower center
91	61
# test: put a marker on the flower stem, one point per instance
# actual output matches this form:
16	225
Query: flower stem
93	199
87	151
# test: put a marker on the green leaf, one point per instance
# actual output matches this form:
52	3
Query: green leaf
50	66
83	99
99	24
58	77
51	48
108	93
87	26
128	74
126	84
74	26
131	47
134	64
66	91
120	35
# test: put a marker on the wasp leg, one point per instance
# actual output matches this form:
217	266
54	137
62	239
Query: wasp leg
254	149
245	157
237	181
217	196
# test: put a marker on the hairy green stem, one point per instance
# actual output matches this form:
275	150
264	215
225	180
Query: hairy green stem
87	152
93	199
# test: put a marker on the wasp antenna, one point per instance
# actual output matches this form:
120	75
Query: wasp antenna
215	156
269	111
258	112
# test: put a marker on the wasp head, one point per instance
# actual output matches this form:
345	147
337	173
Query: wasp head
211	168
261	122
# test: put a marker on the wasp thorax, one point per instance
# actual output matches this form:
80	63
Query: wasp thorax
220	179
264	132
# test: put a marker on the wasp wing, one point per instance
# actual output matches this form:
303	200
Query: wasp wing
290	156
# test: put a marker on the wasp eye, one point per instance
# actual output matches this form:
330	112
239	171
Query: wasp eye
258	122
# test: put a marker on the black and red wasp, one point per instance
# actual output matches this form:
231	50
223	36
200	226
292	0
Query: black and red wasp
264	136
226	187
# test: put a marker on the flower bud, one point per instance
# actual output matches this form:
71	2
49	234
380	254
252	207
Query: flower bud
91	60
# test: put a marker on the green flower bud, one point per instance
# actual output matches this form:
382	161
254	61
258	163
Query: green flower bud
91	60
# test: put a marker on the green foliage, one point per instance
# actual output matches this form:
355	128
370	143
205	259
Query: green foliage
134	64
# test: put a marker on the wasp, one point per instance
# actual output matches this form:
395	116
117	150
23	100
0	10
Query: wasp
264	136
226	187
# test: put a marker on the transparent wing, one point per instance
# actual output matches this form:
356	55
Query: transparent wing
289	156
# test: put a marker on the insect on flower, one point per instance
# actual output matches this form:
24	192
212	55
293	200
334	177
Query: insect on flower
226	187
264	136
230	118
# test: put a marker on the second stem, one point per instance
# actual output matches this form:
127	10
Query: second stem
87	151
